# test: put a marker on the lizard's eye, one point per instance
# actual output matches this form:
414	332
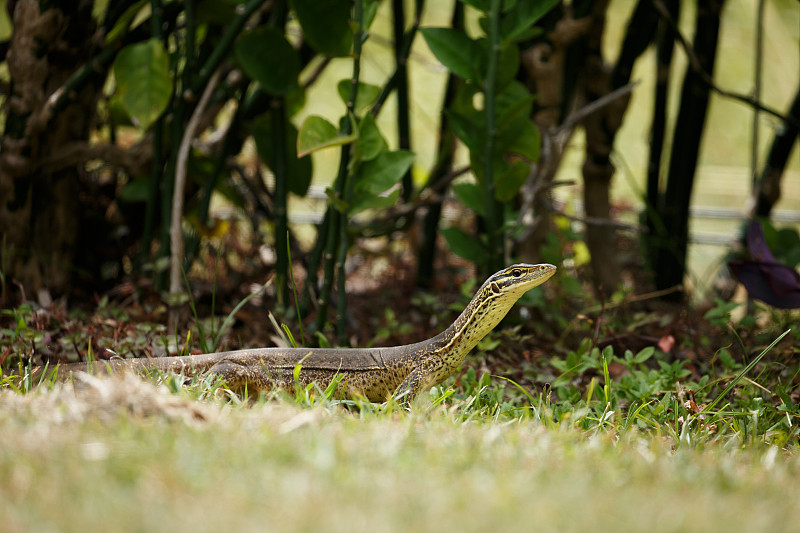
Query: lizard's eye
516	272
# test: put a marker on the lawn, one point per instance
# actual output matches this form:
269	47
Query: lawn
123	454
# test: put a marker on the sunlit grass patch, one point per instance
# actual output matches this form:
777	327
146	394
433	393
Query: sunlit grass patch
89	452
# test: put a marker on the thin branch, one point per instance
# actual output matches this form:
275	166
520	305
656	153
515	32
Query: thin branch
441	185
598	221
318	70
705	77
133	160
759	46
176	231
224	44
574	118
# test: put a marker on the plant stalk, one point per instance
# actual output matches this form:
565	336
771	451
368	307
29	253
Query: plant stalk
494	259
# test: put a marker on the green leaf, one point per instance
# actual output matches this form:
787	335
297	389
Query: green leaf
144	85
298	169
123	24
645	354
509	178
526	142
370	140
370	10
326	25
513	102
471	195
464	245
456	51
507	66
383	172
136	190
266	56
117	114
367	94
514	106
470	128
515	25
480	5
362	201
374	177
317	133
219	12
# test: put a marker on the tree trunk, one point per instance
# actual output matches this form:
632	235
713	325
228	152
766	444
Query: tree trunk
768	188
550	68
665	44
670	264
40	213
597	166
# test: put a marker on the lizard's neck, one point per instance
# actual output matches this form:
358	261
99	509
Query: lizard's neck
486	309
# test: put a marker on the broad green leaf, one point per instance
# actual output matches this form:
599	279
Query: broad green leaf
298	169
383	172
508	66
469	128
476	164
645	354
266	56
136	190
526	142
514	106
471	195
507	62
363	200
509	178
517	22
531	33
375	177
370	141
480	5
117	114
464	245
366	94
294	101
370	10
317	133
508	174
144	85
123	24
513	102
335	200
326	25
456	51
218	12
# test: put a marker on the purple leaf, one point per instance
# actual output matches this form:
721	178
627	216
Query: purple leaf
764	278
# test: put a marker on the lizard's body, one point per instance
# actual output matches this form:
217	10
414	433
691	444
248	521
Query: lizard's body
375	373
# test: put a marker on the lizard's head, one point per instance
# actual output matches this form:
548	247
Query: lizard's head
515	280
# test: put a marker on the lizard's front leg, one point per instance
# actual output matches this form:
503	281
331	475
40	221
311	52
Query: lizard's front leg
409	388
238	376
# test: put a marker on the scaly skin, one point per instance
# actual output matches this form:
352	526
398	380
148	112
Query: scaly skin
374	373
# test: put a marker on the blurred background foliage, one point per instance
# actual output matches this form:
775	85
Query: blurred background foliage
626	141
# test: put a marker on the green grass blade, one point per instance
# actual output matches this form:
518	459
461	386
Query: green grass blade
520	387
743	373
229	319
294	291
200	333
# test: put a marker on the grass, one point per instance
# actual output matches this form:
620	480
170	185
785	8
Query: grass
587	437
125	455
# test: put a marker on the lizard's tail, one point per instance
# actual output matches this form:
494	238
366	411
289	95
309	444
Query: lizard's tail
188	365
